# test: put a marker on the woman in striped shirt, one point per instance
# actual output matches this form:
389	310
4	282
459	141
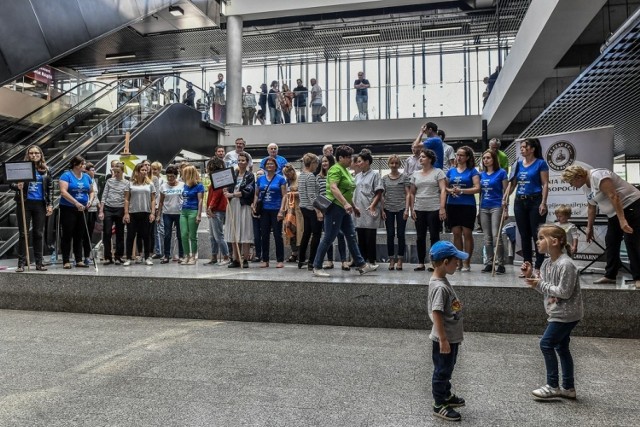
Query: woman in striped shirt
396	210
308	191
112	212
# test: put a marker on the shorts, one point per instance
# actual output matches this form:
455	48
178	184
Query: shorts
461	216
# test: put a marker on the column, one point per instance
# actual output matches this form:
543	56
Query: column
234	70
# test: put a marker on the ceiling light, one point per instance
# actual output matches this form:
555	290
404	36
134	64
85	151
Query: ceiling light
127	55
360	36
176	11
438	29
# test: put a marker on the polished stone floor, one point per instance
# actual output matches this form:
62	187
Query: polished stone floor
291	273
61	369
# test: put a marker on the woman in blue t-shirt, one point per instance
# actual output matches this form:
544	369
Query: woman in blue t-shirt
191	213
76	196
493	184
36	197
463	181
271	189
531	183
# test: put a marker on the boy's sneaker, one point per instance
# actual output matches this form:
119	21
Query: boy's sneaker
149	261
127	263
500	269
487	269
446	413
367	268
455	402
546	392
568	393
318	272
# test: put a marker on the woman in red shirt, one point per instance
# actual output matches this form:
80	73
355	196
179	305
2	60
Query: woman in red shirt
216	211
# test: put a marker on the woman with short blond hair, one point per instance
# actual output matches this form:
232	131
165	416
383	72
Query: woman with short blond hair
190	216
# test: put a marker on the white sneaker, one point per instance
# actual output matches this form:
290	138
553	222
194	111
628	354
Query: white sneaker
127	263
318	272
546	392
192	261
149	261
224	262
367	268
138	260
185	260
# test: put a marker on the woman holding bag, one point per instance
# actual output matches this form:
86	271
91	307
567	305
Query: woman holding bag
238	230
269	203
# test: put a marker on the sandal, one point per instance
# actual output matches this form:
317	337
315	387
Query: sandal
20	269
279	265
392	264
420	268
66	266
41	267
264	265
399	264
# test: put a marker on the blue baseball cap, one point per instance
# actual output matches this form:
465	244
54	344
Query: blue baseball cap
443	249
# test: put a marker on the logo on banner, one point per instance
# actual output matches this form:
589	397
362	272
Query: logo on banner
561	155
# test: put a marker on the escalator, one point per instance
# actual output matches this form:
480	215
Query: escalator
36	122
159	129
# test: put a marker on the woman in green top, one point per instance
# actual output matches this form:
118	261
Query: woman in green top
340	187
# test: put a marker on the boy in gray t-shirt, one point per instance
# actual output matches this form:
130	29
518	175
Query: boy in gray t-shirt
445	311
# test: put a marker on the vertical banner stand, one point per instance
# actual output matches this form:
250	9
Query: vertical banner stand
127	138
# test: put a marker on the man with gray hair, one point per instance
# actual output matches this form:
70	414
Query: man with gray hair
494	145
272	149
327	150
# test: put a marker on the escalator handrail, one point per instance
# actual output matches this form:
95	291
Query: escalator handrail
20	147
21	119
87	140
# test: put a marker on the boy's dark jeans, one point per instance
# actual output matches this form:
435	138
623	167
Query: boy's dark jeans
442	369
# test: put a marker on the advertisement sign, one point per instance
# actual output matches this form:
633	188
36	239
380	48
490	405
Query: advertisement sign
591	148
42	75
130	161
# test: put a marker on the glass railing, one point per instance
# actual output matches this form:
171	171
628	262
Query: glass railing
386	103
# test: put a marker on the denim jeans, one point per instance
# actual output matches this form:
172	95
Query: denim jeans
395	219
169	220
363	106
556	339
443	365
490	222
216	228
212	240
528	219
335	220
159	236
342	249
275	116
301	114
269	223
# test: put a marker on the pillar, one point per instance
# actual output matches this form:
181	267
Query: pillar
234	70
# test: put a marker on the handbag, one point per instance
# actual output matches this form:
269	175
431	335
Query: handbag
323	110
259	203
322	203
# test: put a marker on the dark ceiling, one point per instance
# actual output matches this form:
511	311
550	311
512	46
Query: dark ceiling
309	38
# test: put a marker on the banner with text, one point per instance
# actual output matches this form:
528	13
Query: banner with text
591	148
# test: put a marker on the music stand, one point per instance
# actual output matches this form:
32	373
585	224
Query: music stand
21	172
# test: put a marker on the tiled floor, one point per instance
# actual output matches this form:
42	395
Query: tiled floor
61	369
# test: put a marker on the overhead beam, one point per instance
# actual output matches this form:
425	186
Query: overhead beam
548	30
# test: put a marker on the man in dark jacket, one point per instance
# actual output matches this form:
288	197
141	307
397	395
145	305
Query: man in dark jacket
300	101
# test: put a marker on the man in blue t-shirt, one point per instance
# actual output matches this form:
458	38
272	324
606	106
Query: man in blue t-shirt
272	149
432	142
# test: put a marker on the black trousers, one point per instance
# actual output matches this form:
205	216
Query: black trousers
367	243
312	230
426	221
72	225
138	226
614	237
113	216
35	213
